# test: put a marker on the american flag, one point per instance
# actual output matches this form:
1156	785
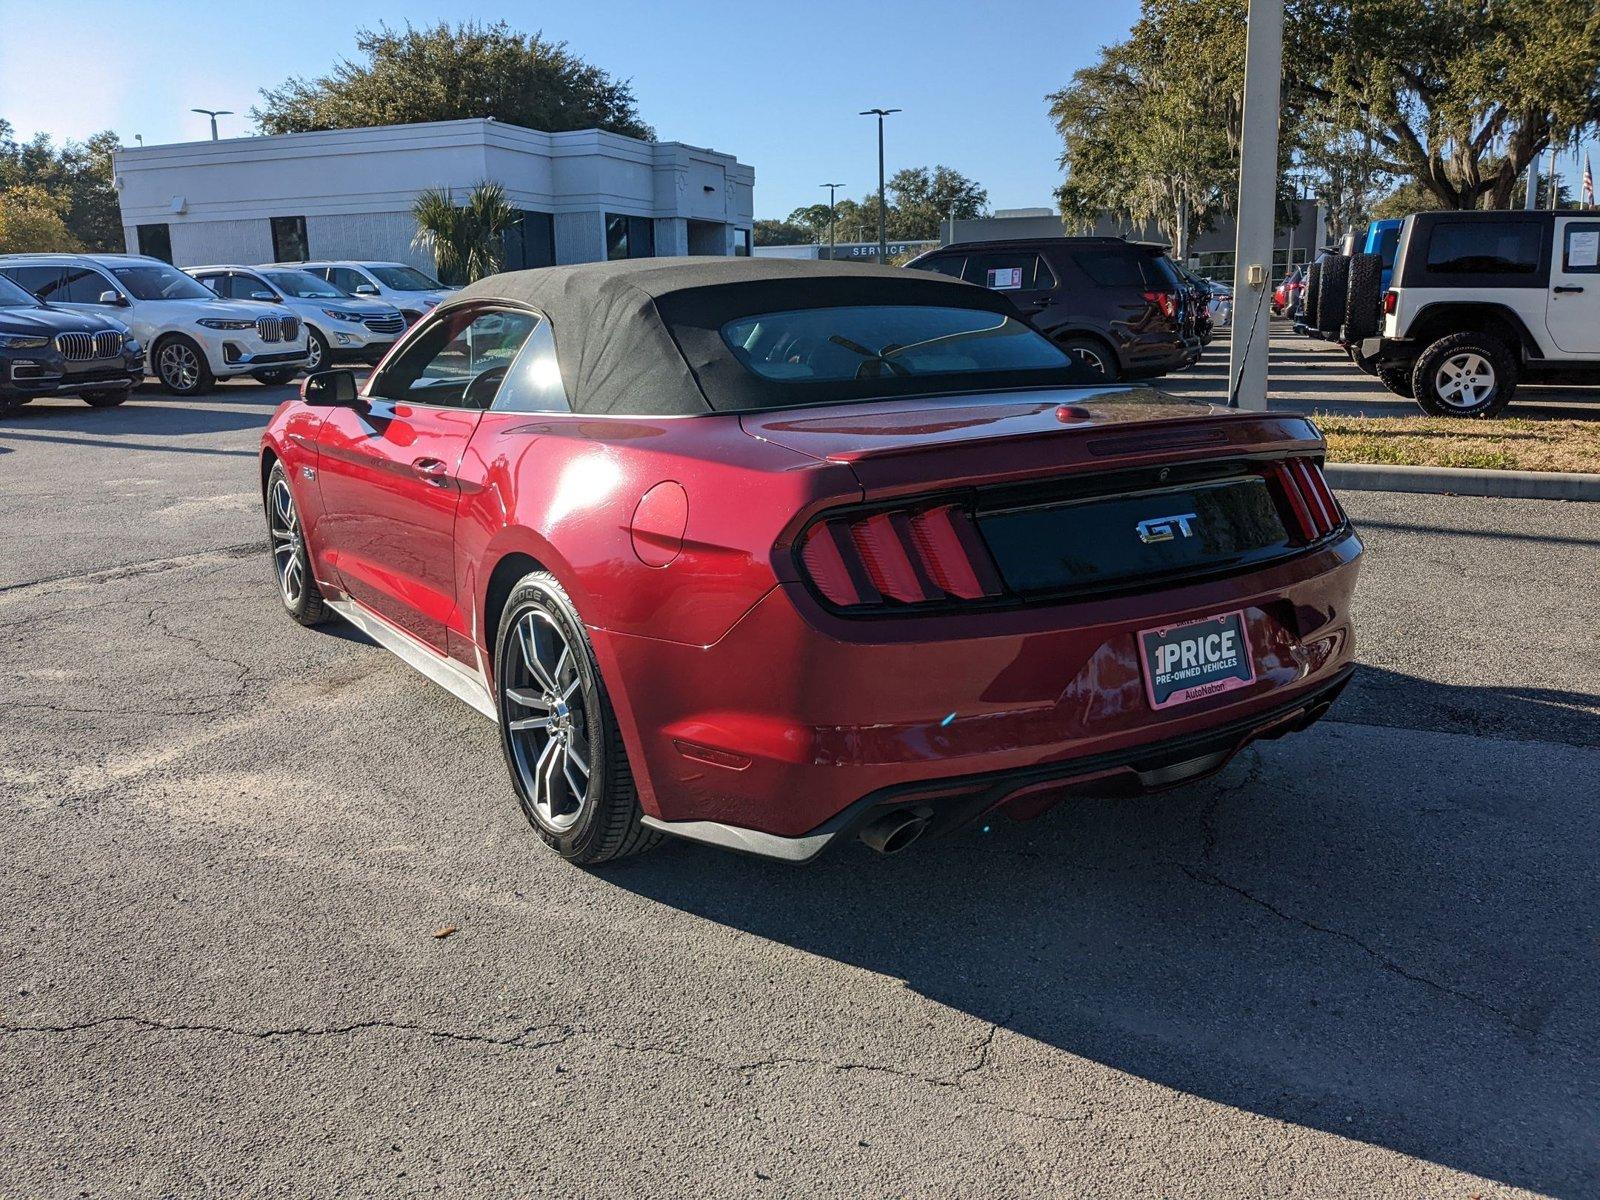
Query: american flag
1588	182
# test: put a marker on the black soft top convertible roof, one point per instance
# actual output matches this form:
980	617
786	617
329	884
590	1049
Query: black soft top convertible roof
642	337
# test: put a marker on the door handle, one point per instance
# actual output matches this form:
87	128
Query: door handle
431	469
1569	288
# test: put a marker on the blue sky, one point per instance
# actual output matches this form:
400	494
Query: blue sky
777	85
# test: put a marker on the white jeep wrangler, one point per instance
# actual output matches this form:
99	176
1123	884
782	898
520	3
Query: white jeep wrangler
1480	300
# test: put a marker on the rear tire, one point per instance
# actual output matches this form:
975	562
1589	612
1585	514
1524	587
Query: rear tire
1313	293
1331	297
1363	310
1465	375
275	376
107	399
1092	354
1397	379
10	404
548	682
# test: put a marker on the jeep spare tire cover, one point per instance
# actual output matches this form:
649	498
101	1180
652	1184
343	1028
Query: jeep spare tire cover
1363	310
1308	302
1331	296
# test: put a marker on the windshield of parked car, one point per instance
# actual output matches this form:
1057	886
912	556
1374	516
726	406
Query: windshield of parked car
885	341
14	295
158	281
405	279
303	285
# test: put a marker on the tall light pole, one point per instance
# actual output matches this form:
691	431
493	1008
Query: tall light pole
832	188
883	239
213	113
1258	203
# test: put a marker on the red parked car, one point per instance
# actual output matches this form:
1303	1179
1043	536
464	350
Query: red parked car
768	553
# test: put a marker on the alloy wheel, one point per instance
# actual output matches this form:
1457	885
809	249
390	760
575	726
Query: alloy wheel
1465	380
179	366
283	527
313	355
1089	359
551	738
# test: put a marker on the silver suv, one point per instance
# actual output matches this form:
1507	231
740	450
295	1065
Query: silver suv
193	337
339	325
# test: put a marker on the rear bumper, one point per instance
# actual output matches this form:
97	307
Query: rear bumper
795	717
952	803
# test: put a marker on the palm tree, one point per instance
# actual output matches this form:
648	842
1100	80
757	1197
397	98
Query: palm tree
467	243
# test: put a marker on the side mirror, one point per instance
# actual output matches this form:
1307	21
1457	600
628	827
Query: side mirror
110	297
262	296
365	289
330	389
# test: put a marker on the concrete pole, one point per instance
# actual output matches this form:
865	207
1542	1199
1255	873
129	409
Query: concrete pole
1551	185
1258	202
1531	201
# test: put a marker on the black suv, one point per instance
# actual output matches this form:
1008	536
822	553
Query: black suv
47	351
1119	307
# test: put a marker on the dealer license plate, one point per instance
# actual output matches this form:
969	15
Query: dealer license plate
1196	659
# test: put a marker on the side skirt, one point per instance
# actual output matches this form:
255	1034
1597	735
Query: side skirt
461	682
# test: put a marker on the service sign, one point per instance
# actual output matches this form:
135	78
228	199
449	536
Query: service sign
1197	659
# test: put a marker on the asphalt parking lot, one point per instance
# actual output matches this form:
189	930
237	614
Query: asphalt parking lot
1364	961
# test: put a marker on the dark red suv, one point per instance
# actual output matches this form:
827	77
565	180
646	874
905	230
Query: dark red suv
1118	307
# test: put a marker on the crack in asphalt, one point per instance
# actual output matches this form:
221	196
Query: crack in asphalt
564	1033
149	566
1209	878
519	1042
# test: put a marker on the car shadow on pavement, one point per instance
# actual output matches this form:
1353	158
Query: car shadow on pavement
1387	934
149	417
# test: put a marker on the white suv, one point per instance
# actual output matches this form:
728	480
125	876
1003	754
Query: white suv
1480	300
408	289
193	338
339	326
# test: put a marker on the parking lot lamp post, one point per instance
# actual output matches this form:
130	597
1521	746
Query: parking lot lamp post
883	239
1258	205
832	188
213	113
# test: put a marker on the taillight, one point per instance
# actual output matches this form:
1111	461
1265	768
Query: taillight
1167	302
1309	499
1391	301
901	556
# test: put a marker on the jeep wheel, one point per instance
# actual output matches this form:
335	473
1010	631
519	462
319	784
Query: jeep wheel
1465	375
1397	380
1329	314
1363	309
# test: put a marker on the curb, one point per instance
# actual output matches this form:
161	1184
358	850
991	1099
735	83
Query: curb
1463	481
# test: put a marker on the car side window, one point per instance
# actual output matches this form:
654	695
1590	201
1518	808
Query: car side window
82	285
534	382
1580	248
458	360
39	280
1009	271
1109	268
216	282
245	286
345	279
945	264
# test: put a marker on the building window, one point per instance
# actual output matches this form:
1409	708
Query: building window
289	239
630	237
156	241
741	243
530	242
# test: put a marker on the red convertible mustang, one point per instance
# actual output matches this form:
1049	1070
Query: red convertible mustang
768	553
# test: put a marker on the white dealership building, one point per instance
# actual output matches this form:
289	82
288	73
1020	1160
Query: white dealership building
585	196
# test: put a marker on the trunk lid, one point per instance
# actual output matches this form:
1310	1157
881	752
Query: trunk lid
972	440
